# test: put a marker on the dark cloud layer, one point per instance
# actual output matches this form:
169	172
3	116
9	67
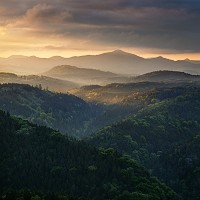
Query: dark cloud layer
162	24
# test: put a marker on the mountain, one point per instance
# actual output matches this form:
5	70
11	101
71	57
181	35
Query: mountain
62	112
193	61
118	62
125	63
84	76
49	83
115	93
114	102
29	65
39	158
68	113
137	89
72	115
166	76
163	137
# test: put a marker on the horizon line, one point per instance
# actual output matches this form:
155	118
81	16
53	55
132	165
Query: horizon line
106	52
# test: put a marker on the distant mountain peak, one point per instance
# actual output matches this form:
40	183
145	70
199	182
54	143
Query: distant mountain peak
187	59
118	51
162	58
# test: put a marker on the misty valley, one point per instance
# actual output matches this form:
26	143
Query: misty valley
114	126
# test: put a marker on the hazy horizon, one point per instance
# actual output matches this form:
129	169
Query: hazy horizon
170	57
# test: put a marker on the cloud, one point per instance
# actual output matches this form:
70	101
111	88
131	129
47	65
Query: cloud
163	24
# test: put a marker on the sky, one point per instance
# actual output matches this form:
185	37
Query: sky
148	28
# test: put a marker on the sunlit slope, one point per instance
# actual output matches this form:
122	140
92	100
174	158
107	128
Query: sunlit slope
161	137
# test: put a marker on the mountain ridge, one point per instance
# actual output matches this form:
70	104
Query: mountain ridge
117	61
52	84
84	76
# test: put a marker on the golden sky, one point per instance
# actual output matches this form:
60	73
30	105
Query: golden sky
72	28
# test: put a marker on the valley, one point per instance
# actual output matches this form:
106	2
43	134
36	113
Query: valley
99	100
148	124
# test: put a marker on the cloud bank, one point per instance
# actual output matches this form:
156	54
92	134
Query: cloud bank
170	25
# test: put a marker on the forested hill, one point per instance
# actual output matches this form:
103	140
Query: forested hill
64	112
167	76
52	84
39	158
72	115
165	138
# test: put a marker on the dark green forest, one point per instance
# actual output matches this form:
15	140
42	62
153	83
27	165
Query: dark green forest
63	112
79	118
39	158
135	141
163	137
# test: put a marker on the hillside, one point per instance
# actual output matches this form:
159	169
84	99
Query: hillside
128	93
161	138
64	112
118	62
49	83
167	76
38	158
193	61
115	102
84	76
72	115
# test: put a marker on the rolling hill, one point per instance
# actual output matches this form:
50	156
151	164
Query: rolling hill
127	93
45	82
84	76
116	101
193	61
167	76
163	137
63	112
72	115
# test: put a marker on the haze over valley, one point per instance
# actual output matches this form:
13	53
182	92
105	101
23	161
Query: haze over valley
111	106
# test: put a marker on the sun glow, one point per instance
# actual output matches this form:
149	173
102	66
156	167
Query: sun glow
32	42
